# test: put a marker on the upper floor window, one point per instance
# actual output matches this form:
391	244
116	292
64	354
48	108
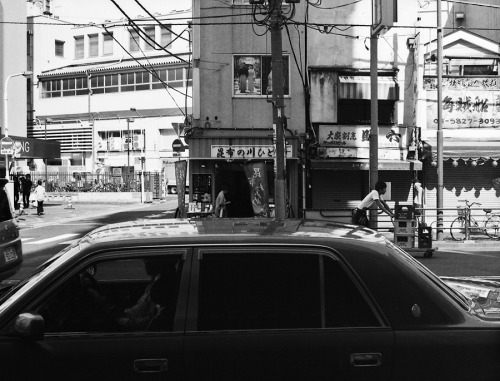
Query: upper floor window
252	75
74	86
113	83
59	48
150	40
166	36
93	45
79	47
107	43
134	41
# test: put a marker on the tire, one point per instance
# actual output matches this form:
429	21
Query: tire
457	229
492	227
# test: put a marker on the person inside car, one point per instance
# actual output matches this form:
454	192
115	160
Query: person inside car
154	301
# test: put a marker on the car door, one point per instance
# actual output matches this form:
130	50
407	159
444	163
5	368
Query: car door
117	316
269	313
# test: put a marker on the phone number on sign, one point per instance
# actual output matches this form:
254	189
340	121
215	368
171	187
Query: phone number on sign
466	121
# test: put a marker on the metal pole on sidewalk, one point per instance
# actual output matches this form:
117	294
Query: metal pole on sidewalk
374	122
278	108
440	177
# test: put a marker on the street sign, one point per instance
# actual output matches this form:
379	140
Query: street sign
6	146
177	145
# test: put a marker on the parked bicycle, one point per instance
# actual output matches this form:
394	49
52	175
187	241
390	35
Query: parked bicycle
465	223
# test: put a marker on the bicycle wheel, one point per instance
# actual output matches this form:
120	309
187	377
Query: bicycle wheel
492	227
457	229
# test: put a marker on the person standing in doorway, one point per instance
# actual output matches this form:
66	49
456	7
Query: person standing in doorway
375	196
40	197
27	184
220	203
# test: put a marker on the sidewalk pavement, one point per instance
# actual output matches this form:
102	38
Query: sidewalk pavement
448	244
62	212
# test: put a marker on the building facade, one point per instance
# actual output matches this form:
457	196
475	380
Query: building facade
233	111
113	95
470	104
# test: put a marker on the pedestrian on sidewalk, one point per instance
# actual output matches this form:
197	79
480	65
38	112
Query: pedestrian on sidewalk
26	185
375	196
40	197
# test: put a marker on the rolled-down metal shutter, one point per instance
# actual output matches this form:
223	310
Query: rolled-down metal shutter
337	189
462	183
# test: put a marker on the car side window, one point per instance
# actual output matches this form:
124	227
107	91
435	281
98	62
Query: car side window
271	290
118	295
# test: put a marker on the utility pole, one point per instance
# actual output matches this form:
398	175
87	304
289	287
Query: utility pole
440	177
278	109
374	122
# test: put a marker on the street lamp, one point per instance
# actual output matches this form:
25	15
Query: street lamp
5	113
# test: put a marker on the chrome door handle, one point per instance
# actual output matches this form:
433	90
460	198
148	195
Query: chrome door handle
150	365
366	359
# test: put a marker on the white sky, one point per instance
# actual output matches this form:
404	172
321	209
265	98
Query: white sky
84	11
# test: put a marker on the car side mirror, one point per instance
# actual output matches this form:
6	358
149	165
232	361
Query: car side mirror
30	325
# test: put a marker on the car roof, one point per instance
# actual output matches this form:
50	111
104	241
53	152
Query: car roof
228	229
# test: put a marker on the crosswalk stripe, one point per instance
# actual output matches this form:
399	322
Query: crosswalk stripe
52	239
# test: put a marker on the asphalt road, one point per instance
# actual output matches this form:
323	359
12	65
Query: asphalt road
42	238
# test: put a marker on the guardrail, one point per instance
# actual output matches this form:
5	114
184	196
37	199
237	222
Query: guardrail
427	217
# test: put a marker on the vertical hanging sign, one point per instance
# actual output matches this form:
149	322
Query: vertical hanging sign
257	179
180	178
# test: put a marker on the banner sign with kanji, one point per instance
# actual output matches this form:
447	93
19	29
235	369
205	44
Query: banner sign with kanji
257	179
246	151
180	179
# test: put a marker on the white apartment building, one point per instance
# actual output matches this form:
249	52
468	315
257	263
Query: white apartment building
110	93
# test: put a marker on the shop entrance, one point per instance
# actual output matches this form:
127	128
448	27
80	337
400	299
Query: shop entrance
233	176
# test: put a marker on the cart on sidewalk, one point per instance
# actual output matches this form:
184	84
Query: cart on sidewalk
411	235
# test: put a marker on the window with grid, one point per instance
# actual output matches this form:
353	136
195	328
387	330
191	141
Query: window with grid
175	77
127	81
142	80
106	83
166	35
159	78
134	41
107	43
51	89
150	40
59	48
93	45
79	47
81	86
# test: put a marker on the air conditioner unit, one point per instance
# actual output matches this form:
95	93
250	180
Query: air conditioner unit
137	142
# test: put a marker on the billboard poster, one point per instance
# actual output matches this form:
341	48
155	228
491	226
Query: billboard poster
180	178
467	102
257	179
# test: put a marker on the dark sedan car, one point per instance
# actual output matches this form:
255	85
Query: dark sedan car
248	299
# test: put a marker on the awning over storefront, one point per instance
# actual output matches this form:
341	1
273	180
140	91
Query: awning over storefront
465	149
364	165
359	87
